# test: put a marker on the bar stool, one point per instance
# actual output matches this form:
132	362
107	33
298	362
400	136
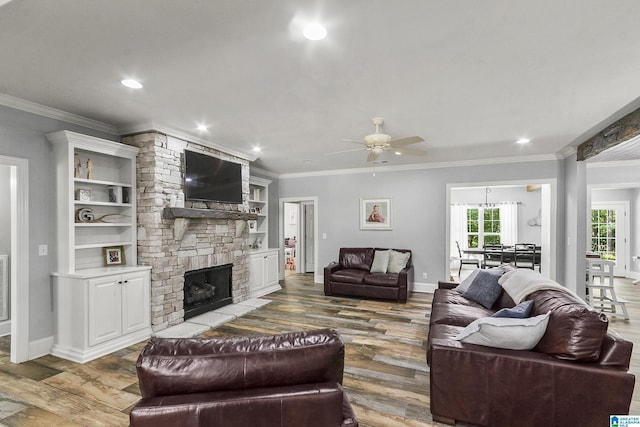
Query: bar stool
606	299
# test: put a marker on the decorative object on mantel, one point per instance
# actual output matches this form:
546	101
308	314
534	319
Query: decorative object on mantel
114	255
89	169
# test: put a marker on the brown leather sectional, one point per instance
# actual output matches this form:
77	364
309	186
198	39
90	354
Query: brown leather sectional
577	375
351	276
292	379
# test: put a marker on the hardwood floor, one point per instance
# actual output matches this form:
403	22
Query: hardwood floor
386	375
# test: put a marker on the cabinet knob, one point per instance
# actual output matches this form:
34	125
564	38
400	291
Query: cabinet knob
126	281
120	282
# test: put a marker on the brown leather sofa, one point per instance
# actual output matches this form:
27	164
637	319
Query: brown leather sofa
577	375
351	276
292	379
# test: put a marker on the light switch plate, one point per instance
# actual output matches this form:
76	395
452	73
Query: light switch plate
43	250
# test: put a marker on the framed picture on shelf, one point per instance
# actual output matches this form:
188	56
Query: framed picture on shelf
375	214
257	210
252	210
113	255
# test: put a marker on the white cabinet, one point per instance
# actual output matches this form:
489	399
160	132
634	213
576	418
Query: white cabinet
101	296
100	312
117	306
263	272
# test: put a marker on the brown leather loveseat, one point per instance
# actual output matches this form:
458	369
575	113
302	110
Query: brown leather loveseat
352	275
576	375
292	379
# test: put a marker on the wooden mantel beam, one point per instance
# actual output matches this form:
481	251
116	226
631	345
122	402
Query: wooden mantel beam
617	133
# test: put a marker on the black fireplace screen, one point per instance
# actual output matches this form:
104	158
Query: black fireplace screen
207	289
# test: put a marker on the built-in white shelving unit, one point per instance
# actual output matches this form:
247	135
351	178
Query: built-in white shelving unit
101	296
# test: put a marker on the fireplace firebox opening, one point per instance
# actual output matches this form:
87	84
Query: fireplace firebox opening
207	289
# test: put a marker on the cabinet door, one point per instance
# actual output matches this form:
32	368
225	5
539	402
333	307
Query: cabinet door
271	268
136	304
105	301
256	272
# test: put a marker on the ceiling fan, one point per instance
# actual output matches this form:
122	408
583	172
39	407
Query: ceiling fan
378	142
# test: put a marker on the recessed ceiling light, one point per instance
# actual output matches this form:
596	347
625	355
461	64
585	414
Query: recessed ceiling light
203	128
314	31
257	149
398	153
307	162
523	141
131	83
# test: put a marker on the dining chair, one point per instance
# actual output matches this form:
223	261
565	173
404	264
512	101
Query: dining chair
493	255
525	255
466	261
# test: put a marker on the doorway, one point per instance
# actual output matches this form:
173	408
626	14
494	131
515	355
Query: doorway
610	234
537	223
298	241
18	257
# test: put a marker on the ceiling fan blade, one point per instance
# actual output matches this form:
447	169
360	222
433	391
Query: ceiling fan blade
411	151
372	157
401	142
346	151
354	141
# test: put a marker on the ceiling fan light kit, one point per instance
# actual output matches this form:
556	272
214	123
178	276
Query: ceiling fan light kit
378	142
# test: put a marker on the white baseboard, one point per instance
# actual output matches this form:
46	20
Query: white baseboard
426	288
40	348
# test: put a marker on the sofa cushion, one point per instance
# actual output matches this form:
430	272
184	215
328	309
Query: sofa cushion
575	331
503	332
451	296
520	311
349	276
397	261
380	261
381	279
356	258
484	289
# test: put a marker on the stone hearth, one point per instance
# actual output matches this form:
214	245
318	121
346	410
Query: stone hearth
202	242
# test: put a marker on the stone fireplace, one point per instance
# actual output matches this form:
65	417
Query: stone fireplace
174	240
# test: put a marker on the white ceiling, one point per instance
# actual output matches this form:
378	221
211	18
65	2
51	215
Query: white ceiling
468	76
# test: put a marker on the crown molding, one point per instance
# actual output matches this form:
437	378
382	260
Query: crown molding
421	166
150	125
54	113
613	164
263	172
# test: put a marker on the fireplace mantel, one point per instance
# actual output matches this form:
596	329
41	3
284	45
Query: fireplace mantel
192	213
183	216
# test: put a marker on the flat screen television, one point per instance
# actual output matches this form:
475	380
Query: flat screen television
210	179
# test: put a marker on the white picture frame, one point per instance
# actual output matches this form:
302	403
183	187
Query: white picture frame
376	214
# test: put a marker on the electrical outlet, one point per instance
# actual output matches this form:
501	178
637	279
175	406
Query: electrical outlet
43	250
424	275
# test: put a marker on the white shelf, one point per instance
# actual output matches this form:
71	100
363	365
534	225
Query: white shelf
102	245
100	182
92	203
103	224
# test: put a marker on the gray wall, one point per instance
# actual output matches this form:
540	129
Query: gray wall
22	135
418	202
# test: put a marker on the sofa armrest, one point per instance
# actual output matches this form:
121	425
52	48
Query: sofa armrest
470	383
168	366
328	270
443	284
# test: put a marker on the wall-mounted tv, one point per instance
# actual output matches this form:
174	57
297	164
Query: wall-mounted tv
210	179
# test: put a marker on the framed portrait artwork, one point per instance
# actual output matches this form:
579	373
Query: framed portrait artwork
113	255
375	214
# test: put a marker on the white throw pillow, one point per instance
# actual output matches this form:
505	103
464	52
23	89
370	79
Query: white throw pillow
397	261
380	262
505	332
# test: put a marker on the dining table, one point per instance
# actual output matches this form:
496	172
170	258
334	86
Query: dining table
508	252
